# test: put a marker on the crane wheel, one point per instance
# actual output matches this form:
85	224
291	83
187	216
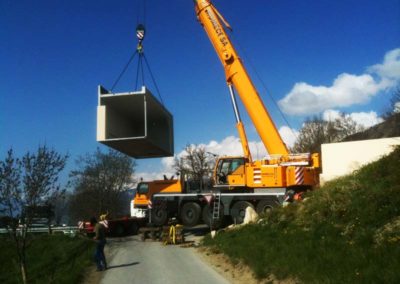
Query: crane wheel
266	205
207	216
159	216
238	211
190	214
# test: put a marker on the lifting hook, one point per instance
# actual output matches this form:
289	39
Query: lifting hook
140	33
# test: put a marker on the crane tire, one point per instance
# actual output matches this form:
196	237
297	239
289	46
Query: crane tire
266	205
207	217
190	214
238	211
159	216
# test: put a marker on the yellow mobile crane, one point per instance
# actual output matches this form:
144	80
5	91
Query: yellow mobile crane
281	169
239	182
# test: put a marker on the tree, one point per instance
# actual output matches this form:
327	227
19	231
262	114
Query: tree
394	104
98	184
317	131
61	211
196	165
26	185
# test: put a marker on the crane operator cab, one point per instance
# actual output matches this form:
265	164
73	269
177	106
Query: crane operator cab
230	170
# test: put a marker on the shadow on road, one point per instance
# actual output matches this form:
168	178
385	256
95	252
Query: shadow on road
123	265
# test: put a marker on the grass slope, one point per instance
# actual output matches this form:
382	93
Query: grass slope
346	232
50	259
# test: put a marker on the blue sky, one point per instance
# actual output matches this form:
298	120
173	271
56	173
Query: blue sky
53	54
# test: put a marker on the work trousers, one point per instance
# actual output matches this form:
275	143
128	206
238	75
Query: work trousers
99	256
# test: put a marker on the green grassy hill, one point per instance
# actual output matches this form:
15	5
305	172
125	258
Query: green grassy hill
347	231
50	259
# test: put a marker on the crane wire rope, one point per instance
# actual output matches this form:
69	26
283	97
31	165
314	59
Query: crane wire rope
141	4
141	66
263	84
139	71
153	79
140	32
123	70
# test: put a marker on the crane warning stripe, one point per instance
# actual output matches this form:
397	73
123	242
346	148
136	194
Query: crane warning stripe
257	176
299	175
140	34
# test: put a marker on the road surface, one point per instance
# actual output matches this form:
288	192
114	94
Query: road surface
132	261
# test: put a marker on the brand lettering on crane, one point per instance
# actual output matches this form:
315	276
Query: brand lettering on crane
217	27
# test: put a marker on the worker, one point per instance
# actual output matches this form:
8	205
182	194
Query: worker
103	221
100	238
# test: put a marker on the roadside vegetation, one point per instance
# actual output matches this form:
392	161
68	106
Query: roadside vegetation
26	185
31	194
99	184
347	231
51	258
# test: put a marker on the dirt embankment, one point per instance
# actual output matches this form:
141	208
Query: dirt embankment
235	273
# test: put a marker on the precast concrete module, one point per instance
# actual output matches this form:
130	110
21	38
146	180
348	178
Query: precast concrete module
134	123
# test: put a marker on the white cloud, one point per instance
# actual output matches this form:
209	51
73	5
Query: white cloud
158	172
257	150
229	146
390	68
167	162
366	119
396	108
289	135
346	89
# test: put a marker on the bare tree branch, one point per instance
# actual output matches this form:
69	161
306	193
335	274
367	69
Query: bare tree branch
99	182
26	184
196	165
317	131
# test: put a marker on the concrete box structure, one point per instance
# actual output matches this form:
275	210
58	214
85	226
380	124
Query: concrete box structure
339	159
134	123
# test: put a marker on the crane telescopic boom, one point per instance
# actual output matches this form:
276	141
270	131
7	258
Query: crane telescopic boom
237	76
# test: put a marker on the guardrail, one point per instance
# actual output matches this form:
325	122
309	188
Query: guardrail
70	230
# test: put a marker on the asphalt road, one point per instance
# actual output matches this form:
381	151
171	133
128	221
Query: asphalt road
132	261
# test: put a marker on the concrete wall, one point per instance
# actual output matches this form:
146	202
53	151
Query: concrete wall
343	158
